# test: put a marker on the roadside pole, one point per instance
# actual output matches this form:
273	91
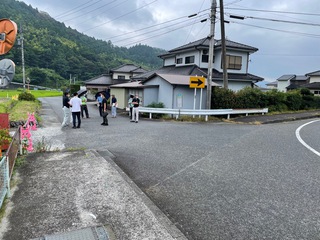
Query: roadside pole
211	51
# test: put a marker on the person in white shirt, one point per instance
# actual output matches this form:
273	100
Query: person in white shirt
75	104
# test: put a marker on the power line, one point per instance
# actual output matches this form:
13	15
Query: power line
72	12
273	20
274	11
165	27
81	15
194	23
137	9
156	25
279	30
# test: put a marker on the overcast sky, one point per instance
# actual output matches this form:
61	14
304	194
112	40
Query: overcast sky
286	32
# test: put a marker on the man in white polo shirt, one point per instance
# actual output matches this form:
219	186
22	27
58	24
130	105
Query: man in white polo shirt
75	104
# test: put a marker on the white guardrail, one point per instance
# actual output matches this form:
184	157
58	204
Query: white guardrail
206	113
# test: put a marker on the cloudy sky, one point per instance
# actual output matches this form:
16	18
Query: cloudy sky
286	32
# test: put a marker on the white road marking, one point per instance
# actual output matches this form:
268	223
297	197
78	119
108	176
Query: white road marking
303	142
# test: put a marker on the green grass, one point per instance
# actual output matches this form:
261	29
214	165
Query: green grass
18	110
22	108
8	93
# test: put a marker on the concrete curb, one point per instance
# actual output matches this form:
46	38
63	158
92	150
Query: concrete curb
161	217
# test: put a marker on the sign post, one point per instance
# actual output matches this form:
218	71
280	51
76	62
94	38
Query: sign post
197	82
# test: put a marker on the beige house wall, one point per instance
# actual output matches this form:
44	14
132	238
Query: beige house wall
121	96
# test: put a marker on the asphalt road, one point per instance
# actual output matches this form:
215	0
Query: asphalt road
217	180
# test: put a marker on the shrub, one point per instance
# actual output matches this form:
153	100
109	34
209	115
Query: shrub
223	98
276	100
25	96
156	105
251	98
294	100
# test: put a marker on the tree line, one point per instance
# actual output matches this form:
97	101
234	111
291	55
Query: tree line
54	52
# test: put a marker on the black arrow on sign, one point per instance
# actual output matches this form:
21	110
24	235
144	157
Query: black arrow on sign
199	82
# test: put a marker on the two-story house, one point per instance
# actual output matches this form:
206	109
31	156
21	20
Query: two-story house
170	84
119	75
197	53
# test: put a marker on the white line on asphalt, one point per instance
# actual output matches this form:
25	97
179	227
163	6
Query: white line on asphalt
303	142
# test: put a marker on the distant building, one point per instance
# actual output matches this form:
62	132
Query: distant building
310	81
122	74
289	82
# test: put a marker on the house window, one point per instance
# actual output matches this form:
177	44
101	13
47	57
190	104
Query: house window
316	92
189	59
205	58
233	62
121	77
179	60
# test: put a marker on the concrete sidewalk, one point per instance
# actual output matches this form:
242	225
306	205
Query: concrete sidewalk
64	191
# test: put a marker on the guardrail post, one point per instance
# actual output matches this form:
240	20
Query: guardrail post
150	115
20	141
8	176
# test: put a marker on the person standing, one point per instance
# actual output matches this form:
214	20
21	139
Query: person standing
130	105
75	104
84	107
104	110
99	99
135	110
114	105
66	109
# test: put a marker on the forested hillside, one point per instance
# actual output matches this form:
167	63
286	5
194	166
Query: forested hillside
54	52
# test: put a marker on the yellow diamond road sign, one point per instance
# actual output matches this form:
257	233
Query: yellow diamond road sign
197	82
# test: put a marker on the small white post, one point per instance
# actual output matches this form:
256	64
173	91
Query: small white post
200	101
194	100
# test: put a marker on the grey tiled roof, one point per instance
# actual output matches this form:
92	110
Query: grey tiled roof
100	80
293	77
274	83
302	78
216	76
128	68
190	70
194	70
314	85
204	43
316	73
128	85
286	77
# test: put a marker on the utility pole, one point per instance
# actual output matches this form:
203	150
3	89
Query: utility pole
22	58
223	46
211	51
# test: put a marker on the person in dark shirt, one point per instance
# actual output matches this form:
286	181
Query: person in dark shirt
104	110
66	109
135	112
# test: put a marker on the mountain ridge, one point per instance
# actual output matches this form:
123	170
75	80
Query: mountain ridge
55	53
